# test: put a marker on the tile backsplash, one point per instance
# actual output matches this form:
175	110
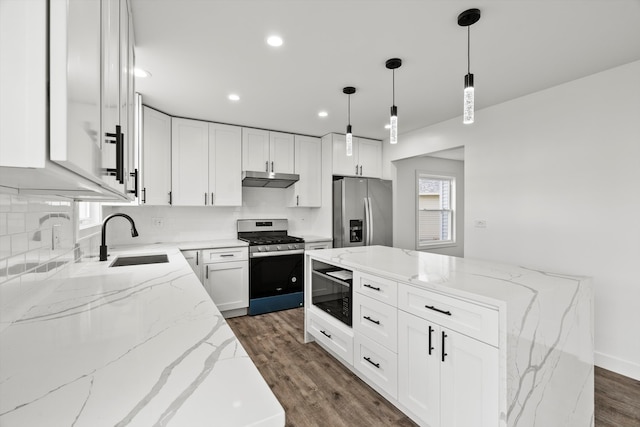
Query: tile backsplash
37	241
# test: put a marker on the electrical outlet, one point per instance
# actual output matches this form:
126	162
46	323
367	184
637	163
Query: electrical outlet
158	222
480	223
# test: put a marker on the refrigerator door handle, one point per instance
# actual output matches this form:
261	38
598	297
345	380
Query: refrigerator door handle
367	221
370	227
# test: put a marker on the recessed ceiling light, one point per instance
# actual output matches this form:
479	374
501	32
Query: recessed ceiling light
387	126
323	114
234	97
274	41
139	72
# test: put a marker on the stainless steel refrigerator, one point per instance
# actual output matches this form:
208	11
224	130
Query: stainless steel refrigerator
362	212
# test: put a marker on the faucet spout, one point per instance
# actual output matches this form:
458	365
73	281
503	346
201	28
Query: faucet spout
103	246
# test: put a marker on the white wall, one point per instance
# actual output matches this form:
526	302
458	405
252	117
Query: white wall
556	176
405	195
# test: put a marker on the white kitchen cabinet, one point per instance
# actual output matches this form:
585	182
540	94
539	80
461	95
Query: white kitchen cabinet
189	162
267	151
226	279
194	258
307	192
442	371
117	89
155	173
324	244
54	143
225	165
366	159
205	164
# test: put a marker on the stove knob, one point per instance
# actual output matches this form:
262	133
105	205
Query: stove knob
279	247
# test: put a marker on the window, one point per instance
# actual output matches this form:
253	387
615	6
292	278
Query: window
88	214
436	202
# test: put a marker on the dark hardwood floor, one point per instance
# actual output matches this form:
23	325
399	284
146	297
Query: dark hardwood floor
317	390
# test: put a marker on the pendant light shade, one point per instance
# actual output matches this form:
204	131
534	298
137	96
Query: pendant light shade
392	64
467	19
349	90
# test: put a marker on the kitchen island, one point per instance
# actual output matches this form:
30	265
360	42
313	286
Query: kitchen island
134	345
453	341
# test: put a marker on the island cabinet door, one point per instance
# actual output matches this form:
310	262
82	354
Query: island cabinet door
419	368
468	381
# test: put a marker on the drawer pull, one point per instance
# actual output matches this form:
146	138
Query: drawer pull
326	334
377	322
430	307
366	285
430	346
444	335
226	255
377	365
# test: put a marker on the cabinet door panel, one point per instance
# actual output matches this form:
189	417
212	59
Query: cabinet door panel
469	382
255	150
281	152
228	284
190	162
307	192
156	157
370	157
225	165
343	164
419	368
377	363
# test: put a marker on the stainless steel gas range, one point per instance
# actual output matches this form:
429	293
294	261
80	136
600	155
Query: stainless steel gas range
276	265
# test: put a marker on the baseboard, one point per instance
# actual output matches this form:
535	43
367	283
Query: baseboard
619	366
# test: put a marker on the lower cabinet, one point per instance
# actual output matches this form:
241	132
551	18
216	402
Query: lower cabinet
226	279
446	378
193	258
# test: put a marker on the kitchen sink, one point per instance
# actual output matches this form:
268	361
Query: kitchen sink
139	260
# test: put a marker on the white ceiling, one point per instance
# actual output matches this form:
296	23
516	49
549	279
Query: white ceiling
200	51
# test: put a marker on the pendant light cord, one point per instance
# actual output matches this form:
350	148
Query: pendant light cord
349	110
469	49
393	86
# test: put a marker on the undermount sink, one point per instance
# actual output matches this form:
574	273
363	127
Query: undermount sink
139	260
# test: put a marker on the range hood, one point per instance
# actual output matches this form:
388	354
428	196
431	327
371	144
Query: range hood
268	179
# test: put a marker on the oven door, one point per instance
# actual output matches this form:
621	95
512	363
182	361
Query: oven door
276	273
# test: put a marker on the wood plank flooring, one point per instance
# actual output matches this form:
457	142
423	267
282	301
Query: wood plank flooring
317	390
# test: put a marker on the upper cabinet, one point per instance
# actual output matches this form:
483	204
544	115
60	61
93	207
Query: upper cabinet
225	165
156	158
366	159
56	143
267	151
307	192
205	164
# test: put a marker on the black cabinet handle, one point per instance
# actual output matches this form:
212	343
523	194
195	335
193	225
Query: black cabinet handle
297	200
205	199
360	170
430	307
377	365
144	195
444	335
198	258
326	334
271	166
170	198
120	156
430	345
366	285
377	322
226	255
134	174
356	169
266	166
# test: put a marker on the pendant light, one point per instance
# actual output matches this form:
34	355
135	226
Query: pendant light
392	64
467	19
349	90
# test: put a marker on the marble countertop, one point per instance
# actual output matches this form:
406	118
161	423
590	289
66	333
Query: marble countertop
129	346
487	282
211	244
310	238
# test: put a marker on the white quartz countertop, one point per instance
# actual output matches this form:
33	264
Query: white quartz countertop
483	281
129	346
310	238
211	244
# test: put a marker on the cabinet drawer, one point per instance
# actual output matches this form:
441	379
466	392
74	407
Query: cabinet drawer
377	363
376	320
379	288
317	245
474	320
332	336
225	254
